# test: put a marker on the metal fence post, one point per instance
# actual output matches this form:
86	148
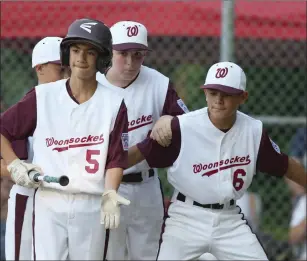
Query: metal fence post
227	31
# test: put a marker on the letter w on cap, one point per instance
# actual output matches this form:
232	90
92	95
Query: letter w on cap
87	26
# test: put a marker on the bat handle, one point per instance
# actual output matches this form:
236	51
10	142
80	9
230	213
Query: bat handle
35	176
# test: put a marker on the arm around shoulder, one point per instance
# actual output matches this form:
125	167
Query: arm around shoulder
156	155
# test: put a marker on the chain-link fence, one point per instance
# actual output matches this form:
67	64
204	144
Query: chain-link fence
269	43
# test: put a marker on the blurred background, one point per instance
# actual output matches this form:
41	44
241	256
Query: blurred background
266	38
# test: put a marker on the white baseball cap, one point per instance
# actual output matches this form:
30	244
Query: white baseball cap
47	50
227	77
129	35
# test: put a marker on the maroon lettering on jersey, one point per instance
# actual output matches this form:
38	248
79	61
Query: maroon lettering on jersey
140	122
214	167
76	142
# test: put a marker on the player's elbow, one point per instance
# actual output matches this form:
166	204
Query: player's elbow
297	234
134	156
294	238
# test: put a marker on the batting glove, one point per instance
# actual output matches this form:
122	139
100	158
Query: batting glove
110	210
19	171
162	131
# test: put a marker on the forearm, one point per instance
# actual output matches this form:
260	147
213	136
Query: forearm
134	156
113	178
296	172
7	151
253	208
4	171
298	233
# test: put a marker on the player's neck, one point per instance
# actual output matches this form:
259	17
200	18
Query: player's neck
223	124
111	76
82	90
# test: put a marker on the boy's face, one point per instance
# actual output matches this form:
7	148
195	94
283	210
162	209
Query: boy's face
83	59
222	105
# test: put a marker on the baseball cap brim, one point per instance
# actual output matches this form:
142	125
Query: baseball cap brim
222	88
55	62
130	46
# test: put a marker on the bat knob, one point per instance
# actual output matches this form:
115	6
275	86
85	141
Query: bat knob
63	180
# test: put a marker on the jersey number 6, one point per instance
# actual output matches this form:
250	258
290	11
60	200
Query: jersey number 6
94	164
238	182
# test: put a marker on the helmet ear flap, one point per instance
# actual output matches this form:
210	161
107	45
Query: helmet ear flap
65	55
104	61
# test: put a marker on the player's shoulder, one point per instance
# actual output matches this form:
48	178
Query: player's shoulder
194	114
152	73
109	94
248	119
51	86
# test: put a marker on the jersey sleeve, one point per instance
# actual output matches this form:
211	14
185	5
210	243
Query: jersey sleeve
173	105
270	159
19	121
20	148
118	144
158	156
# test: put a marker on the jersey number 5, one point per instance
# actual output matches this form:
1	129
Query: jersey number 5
238	182
93	166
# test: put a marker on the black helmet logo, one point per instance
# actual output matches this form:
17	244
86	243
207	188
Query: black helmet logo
87	26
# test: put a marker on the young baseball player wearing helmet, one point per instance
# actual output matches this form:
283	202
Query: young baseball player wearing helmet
79	129
148	94
18	238
214	154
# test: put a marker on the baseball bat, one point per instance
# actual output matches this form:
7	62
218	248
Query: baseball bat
36	177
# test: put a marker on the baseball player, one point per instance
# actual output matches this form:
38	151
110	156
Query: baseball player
297	230
79	129
148	94
18	238
215	152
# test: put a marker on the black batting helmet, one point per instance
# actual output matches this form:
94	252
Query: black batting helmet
92	32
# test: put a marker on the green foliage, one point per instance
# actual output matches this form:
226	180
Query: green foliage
16	75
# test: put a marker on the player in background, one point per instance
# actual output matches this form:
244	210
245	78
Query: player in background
148	95
18	239
298	227
79	129
215	152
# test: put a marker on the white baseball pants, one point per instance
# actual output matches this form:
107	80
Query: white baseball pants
67	226
139	232
18	235
192	231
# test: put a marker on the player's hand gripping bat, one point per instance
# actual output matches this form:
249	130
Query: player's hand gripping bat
36	177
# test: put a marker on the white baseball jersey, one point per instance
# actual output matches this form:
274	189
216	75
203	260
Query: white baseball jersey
73	140
230	158
298	215
145	100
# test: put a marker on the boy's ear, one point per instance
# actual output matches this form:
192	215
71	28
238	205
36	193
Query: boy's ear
39	69
245	98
